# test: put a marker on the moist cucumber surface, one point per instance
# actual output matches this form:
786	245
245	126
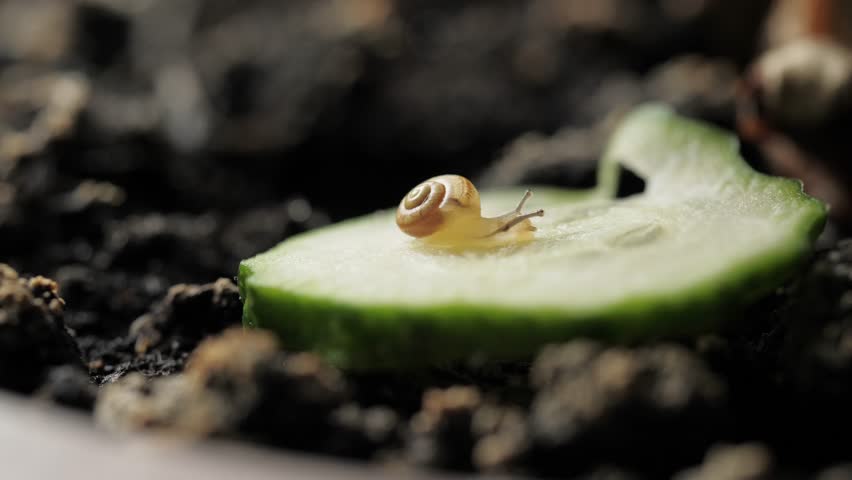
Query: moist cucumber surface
707	235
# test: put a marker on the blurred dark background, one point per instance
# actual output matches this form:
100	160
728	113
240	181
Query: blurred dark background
147	143
239	122
236	123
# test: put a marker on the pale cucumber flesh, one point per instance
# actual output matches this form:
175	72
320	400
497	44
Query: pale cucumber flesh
707	235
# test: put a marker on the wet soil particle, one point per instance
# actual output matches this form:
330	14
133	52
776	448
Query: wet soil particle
160	341
789	367
815	359
190	312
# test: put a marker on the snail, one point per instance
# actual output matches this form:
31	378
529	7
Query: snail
446	211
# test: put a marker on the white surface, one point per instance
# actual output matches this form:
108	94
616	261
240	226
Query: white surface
46	442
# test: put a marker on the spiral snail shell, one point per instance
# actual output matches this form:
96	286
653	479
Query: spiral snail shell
446	210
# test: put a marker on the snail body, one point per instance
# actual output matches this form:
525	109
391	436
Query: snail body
446	211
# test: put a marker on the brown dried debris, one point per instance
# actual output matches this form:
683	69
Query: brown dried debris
190	404
836	472
173	404
595	404
796	104
35	108
804	83
235	352
33	337
237	382
38	32
750	461
503	437
440	434
790	20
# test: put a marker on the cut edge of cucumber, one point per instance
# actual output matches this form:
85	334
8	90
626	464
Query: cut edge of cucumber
429	328
401	335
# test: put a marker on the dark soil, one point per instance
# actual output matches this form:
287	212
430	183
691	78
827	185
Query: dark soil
145	151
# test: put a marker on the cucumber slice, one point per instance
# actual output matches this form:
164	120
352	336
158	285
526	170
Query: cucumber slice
707	235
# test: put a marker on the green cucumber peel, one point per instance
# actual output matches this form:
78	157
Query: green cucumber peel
707	236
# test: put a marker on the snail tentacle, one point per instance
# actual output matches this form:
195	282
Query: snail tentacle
527	195
519	219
